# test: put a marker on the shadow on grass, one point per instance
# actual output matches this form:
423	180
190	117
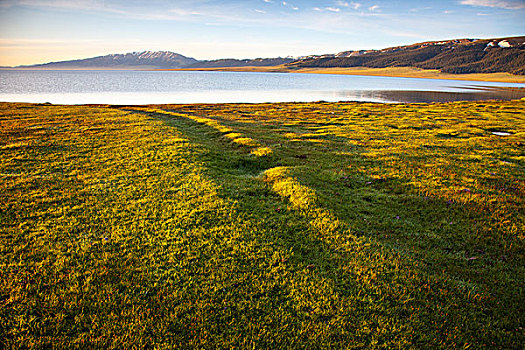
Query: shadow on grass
383	273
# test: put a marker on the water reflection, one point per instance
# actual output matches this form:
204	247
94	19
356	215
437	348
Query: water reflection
158	87
406	96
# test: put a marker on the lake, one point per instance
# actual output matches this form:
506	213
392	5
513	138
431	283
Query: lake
158	87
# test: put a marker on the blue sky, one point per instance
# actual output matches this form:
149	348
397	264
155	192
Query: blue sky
35	31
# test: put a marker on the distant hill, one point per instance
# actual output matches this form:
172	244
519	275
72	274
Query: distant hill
452	56
230	62
155	60
145	59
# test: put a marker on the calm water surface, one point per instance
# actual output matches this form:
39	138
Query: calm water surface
155	87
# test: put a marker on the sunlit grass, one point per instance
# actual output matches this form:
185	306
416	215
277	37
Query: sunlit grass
296	225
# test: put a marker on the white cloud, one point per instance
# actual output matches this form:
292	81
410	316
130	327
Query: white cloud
421	9
64	4
373	8
260	11
182	12
6	43
103	6
333	9
268	1
505	4
354	5
292	6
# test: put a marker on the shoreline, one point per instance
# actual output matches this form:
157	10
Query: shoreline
396	72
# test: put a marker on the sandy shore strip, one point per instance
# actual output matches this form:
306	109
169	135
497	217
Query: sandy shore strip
402	72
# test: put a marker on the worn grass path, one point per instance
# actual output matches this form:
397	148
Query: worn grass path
257	226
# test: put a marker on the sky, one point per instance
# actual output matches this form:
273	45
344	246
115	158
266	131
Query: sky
39	31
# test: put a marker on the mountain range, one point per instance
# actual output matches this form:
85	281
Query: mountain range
145	60
456	56
155	60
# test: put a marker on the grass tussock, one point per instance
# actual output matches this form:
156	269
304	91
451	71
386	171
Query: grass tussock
294	225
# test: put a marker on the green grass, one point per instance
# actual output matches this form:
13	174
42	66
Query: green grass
297	225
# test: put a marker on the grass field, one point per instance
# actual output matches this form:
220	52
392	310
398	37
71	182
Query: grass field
293	225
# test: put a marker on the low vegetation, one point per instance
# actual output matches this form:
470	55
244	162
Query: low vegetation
451	56
293	225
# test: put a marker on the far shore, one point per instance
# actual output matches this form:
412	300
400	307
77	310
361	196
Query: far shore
401	72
